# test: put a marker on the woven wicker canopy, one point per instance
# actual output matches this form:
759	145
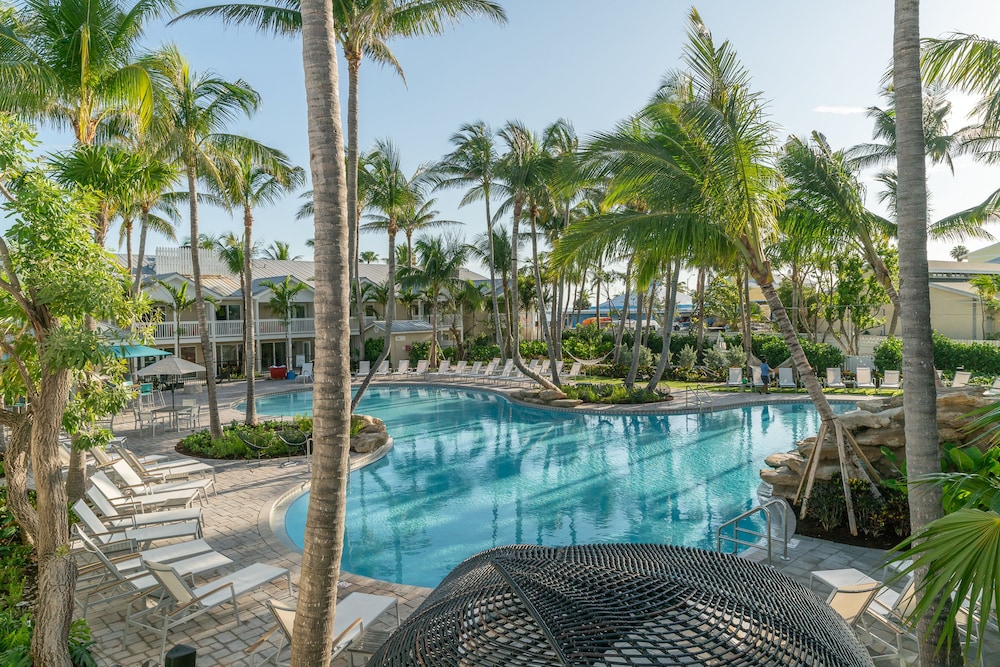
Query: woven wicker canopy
619	604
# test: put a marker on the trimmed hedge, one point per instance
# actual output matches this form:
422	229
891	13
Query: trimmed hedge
979	358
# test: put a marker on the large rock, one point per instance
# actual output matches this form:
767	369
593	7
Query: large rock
363	443
565	402
892	437
551	395
371	424
856	419
791	460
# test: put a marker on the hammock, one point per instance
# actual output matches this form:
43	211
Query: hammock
588	362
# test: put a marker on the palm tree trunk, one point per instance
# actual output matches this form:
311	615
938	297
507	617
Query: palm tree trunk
625	310
215	425
747	335
249	330
701	310
137	282
353	216
633	371
542	320
515	333
670	299
53	609
177	331
923	454
390	314
498	334
434	334
128	245
324	534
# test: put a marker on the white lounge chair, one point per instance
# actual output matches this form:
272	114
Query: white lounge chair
306	373
150	484
114	518
864	378
167	470
442	370
471	372
504	374
735	378
143	502
364	368
355	614
132	538
488	370
114	578
182	603
891	380
833	380
402	366
575	371
383	368
994	388
851	602
458	370
961	379
786	378
758	379
421	367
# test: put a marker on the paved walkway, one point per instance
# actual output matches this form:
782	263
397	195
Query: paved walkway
238	524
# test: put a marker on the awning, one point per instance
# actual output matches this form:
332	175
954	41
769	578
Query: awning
135	351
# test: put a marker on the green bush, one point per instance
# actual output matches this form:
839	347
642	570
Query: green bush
532	349
646	357
822	355
612	394
687	357
483	352
588	342
373	348
231	447
735	357
889	354
715	358
770	347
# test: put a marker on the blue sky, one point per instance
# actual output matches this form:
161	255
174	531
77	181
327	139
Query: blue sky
594	63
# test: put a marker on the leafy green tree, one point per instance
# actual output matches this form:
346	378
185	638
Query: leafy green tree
282	302
369	256
279	250
196	110
178	301
73	63
54	278
987	289
435	274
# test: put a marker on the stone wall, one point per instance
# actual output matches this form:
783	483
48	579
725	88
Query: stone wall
875	423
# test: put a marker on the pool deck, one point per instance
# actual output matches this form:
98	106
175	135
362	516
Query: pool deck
238	523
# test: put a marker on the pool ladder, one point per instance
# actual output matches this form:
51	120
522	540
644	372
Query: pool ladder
754	539
695	396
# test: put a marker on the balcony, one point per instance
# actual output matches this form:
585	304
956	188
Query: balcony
164	333
445	321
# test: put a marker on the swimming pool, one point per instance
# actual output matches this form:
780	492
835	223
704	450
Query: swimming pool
470	471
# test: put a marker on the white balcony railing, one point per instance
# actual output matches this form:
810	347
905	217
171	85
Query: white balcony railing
444	320
164	332
228	328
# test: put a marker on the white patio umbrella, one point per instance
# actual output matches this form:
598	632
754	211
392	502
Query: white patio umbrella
171	366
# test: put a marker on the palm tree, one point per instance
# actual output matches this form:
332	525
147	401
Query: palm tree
473	165
496	248
435	274
390	193
280	249
72	63
250	180
959	253
420	217
196	110
369	256
282	303
179	301
153	182
923	455
525	171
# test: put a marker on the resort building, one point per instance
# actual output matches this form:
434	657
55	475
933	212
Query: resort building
179	332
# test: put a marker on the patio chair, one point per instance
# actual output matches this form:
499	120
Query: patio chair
504	373
472	372
574	372
891	380
306	372
103	458
786	378
182	469
355	614
256	442
833	380
735	378
111	579
383	368
488	371
889	611
421	368
863	378
116	519
443	369
364	367
458	370
139	502
151	484
296	441
851	602
961	379
402	367
181	603
192	413
757	378
132	538
994	388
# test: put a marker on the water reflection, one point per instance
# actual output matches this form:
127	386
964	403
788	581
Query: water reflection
470	471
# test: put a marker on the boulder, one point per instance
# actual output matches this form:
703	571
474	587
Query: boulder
892	437
368	442
551	395
781	477
856	419
791	460
894	414
565	402
872	405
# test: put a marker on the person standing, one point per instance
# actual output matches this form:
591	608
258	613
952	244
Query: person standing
765	376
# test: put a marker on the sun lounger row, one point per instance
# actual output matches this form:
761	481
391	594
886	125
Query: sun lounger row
786	379
492	372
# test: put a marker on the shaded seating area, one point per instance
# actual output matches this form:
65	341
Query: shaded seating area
620	604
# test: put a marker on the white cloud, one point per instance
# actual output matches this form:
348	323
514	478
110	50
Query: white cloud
843	111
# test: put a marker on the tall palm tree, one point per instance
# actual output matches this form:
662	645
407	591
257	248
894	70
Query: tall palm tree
282	302
390	193
525	170
473	165
496	248
959	253
152	183
178	301
250	180
280	249
197	109
434	274
420	217
73	63
369	256
923	455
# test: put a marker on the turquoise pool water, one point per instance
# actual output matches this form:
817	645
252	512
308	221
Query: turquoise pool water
470	471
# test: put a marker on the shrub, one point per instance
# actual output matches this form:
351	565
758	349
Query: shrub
483	352
531	349
231	447
687	357
715	358
889	354
373	348
822	355
450	353
770	347
612	394
827	503
646	357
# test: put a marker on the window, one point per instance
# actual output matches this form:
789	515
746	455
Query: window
228	312
298	311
